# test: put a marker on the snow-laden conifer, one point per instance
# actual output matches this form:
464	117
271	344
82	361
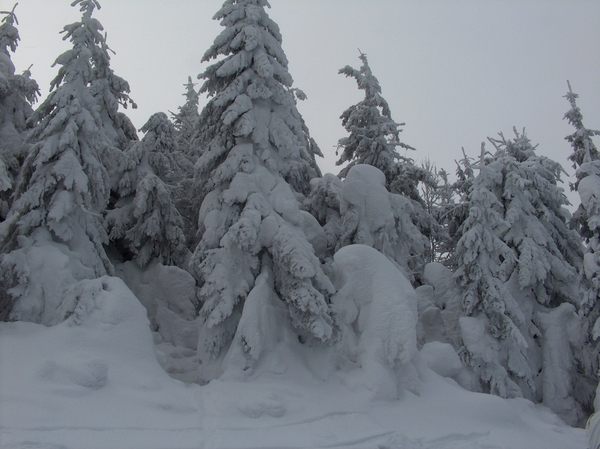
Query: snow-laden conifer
373	134
586	219
257	160
145	221
17	94
66	179
373	140
518	259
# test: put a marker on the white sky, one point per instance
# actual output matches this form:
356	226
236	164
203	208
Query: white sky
454	71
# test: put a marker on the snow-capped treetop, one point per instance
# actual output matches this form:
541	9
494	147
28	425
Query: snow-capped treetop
548	251
584	149
374	136
586	159
186	120
9	35
109	90
25	87
254	72
160	138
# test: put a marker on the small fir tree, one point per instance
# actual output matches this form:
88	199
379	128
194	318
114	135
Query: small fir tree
186	123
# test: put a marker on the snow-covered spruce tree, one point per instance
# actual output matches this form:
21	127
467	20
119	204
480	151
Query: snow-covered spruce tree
373	140
144	221
586	219
54	234
518	269
256	161
17	94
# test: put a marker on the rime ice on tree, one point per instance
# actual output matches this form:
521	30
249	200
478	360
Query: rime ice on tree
67	177
257	160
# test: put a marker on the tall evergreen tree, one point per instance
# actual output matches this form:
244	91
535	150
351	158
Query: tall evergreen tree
586	219
256	161
67	176
518	265
17	95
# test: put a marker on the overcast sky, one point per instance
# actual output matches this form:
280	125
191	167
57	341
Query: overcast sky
454	71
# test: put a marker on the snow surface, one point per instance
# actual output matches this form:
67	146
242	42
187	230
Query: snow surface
93	381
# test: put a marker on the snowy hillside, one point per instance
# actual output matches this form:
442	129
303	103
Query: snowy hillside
94	381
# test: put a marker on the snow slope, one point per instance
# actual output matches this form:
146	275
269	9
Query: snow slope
94	382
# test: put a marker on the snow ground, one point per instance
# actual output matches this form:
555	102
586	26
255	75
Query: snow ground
94	382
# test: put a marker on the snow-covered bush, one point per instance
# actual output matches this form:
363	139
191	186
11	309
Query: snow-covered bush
323	203
377	307
439	305
169	295
370	215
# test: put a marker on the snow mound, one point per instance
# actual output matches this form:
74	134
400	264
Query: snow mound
93	382
49	274
96	370
378	310
441	358
92	373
